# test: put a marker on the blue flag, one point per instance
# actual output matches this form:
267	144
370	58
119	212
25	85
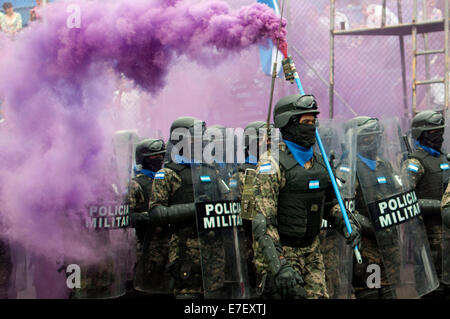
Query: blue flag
268	53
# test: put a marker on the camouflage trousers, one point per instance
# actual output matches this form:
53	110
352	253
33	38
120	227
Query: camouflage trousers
371	255
308	261
186	267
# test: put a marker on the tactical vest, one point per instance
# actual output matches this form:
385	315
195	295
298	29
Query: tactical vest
146	184
184	194
373	185
301	201
247	203
431	185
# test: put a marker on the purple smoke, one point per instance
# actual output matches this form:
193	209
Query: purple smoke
58	88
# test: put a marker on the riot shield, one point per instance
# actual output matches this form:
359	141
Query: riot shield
151	274
105	230
446	230
220	229
337	255
393	209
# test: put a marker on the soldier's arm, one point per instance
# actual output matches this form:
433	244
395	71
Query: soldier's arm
413	169
164	186
135	197
166	183
266	186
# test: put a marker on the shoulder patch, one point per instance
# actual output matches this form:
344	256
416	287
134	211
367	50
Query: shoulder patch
205	179
444	166
160	175
233	183
413	167
344	169
265	168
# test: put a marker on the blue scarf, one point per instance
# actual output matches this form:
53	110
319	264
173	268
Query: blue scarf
146	172
251	160
428	149
372	164
300	153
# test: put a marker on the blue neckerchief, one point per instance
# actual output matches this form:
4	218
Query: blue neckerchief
428	149
300	153
146	172
251	160
372	164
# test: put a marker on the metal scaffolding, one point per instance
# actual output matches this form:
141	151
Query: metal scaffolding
400	30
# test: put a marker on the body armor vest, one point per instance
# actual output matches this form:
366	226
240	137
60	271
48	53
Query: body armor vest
301	201
431	185
433	182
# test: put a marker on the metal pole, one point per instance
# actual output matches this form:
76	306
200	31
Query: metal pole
383	14
403	61
414	57
331	86
446	79
427	58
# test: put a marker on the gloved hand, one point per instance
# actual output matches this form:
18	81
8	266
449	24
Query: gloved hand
354	238
289	282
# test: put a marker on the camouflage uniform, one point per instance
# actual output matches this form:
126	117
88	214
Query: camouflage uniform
330	251
446	238
433	225
184	260
152	244
308	261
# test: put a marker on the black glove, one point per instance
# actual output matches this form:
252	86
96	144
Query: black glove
354	238
289	282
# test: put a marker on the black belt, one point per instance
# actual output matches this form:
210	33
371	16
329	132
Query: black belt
296	242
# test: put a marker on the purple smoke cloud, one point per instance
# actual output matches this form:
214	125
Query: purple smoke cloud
58	89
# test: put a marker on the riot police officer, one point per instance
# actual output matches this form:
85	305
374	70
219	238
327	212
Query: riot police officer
172	202
427	168
152	241
291	198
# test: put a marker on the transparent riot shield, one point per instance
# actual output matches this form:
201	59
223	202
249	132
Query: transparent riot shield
105	230
393	209
340	145
220	229
152	275
446	230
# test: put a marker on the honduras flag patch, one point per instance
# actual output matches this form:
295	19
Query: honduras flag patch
444	166
381	180
413	167
159	175
314	184
344	169
233	183
205	179
265	168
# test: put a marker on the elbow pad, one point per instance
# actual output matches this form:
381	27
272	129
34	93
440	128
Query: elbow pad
270	252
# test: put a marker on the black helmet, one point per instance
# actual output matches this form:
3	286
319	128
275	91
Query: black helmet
149	147
365	125
426	121
291	105
186	122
